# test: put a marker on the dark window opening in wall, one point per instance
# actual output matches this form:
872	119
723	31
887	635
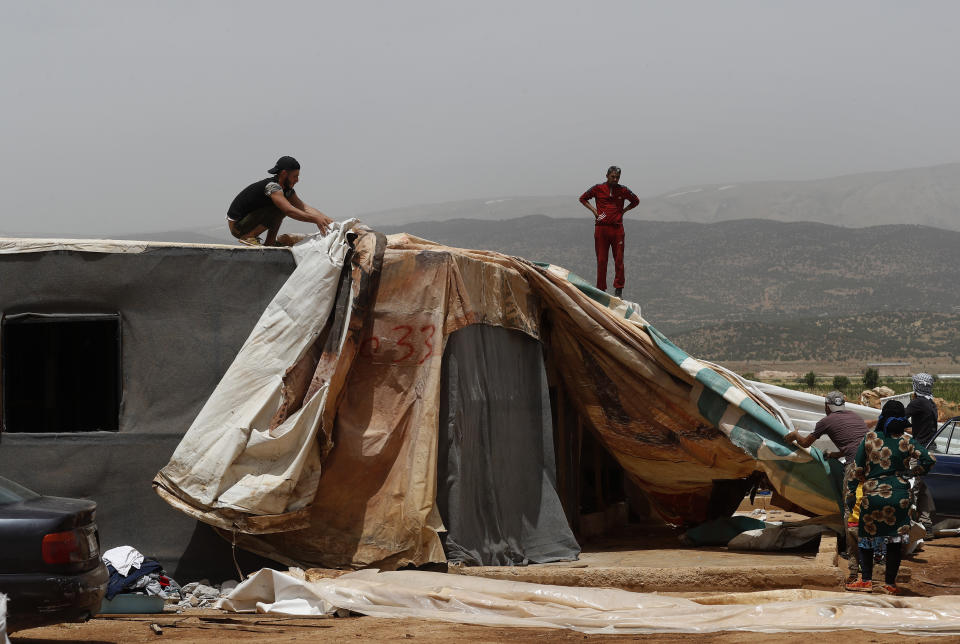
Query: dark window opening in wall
61	373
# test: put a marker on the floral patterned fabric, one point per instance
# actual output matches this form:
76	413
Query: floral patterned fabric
883	465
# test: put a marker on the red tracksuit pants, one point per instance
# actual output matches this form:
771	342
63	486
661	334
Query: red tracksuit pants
605	238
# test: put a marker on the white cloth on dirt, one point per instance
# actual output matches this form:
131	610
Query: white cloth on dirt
123	558
495	602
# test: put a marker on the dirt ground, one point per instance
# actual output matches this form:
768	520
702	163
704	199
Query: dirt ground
367	629
934	571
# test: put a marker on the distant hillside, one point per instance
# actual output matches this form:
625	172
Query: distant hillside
748	289
872	336
688	276
924	196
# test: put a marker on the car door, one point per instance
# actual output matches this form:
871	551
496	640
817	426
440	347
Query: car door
944	478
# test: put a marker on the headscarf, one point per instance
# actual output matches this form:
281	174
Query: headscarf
923	385
893	418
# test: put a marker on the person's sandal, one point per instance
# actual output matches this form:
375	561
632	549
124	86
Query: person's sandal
250	241
860	586
886	589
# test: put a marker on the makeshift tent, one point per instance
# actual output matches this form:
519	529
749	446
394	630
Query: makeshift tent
320	445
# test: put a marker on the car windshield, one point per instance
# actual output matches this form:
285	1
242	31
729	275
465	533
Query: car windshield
11	492
947	441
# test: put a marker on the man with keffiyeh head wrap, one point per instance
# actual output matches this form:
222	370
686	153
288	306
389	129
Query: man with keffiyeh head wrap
884	462
922	412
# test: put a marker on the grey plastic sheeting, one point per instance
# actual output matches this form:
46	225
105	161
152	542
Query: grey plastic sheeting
496	487
185	312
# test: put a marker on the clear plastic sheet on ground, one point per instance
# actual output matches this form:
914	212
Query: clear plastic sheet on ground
494	602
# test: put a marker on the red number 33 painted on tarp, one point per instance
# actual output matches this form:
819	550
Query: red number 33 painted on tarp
413	345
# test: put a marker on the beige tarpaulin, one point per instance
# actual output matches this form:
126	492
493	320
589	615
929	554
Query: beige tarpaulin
319	446
494	602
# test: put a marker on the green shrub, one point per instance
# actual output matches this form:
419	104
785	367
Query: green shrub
810	379
871	378
841	382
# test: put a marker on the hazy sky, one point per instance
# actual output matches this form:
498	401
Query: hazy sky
139	116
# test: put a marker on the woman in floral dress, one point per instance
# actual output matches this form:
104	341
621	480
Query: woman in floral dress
883	465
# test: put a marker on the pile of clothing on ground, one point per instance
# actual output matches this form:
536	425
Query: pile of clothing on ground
131	572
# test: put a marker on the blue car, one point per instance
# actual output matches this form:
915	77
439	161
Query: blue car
944	479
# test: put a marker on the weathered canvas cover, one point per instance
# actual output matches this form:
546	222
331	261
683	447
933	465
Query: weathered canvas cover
320	446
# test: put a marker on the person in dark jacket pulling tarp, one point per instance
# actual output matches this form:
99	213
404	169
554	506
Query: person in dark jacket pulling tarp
262	205
608	231
922	412
883	465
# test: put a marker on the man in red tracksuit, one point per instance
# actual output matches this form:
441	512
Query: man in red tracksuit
608	232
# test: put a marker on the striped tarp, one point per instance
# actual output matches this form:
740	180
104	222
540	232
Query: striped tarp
749	419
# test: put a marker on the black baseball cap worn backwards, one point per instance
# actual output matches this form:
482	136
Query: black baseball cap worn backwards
284	163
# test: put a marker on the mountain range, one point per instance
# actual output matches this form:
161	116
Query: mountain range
832	269
688	276
761	290
926	196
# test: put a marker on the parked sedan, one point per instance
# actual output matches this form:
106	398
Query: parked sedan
50	566
944	479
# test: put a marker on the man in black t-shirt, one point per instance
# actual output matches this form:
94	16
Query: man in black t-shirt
262	205
922	412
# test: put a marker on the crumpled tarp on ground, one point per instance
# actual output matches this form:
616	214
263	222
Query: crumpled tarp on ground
747	533
778	537
719	532
319	447
495	602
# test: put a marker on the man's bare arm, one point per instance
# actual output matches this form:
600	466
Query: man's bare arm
296	209
802	441
310	210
